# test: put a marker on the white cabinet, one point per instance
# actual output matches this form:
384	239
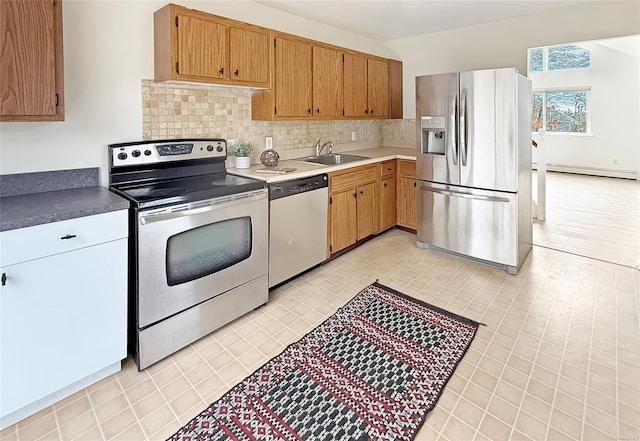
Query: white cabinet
63	308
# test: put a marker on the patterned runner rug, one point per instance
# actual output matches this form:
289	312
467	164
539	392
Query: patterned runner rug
372	371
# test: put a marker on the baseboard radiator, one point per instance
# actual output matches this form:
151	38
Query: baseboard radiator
606	172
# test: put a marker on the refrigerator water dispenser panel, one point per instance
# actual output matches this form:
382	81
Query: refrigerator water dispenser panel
433	135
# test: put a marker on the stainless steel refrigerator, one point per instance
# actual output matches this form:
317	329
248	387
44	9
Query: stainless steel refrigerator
474	165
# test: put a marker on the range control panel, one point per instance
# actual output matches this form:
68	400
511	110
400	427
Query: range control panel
166	151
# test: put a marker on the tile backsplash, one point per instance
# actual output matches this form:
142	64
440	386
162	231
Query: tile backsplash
178	110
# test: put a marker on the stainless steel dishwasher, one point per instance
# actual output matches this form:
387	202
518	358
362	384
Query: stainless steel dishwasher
297	226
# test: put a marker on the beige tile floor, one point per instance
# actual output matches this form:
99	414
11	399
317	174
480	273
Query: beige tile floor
559	357
591	216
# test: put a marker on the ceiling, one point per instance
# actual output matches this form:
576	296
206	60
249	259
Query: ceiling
385	20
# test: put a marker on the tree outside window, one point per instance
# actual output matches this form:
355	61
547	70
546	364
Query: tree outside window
560	111
568	56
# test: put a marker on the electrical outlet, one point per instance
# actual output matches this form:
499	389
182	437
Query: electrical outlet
353	136
268	143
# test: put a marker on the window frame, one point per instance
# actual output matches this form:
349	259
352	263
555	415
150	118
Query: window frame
545	91
545	58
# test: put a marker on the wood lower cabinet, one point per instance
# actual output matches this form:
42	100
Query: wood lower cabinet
406	193
31	65
366	218
343	229
353	206
190	45
387	192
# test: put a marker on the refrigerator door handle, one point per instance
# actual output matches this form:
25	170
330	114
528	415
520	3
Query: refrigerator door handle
459	194
453	123
463	127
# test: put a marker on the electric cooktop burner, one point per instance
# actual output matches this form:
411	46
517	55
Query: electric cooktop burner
155	174
190	189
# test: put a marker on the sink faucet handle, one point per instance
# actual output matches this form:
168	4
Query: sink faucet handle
318	147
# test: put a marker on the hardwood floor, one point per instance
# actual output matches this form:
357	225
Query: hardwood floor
591	216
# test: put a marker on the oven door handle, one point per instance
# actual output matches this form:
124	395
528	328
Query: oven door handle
200	207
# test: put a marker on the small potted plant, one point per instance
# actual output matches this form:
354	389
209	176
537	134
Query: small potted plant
242	152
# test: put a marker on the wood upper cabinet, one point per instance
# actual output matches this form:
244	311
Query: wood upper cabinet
407	193
355	86
31	65
292	78
327	82
378	87
395	89
366	86
190	45
249	55
316	80
202	47
307	82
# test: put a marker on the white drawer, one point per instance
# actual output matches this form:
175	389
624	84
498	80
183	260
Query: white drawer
30	243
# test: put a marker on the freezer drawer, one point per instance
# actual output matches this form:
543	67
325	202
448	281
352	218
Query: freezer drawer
477	223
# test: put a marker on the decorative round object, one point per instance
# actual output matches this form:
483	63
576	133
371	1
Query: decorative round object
269	158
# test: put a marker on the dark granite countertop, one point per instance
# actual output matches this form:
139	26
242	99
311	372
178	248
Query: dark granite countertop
27	209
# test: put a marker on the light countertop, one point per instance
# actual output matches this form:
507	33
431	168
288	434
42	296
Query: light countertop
305	169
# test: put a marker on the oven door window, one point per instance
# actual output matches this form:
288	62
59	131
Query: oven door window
208	249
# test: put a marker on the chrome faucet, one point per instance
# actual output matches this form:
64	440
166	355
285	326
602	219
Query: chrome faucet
320	147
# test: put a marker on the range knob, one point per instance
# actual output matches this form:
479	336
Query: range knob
135	153
209	148
122	156
219	149
147	152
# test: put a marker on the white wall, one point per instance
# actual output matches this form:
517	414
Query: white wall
108	50
504	43
614	99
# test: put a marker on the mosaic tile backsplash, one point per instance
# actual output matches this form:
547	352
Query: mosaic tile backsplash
172	110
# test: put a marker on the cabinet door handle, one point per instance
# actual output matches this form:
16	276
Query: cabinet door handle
236	72
318	110
355	194
4	279
385	185
68	236
221	71
309	110
366	111
361	191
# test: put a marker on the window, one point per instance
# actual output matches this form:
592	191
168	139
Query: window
561	111
568	56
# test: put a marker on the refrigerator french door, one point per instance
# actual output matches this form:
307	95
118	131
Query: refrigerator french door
474	165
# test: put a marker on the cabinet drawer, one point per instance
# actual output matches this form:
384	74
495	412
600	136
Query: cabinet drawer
352	177
39	241
407	168
387	169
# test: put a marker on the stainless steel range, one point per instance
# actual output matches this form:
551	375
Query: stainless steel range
198	241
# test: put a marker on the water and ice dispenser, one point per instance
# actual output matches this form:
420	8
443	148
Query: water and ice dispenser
432	135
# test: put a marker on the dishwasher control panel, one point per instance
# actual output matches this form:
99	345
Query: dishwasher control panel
283	189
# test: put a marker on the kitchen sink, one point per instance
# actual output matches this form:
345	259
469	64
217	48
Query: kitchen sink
334	159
